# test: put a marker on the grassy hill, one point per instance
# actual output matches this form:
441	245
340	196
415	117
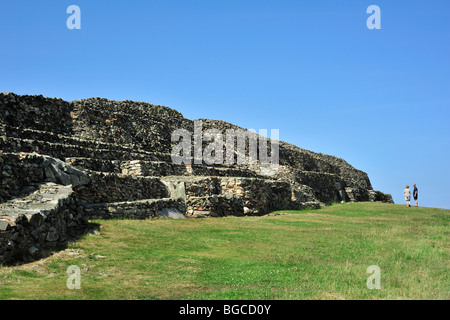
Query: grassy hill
308	254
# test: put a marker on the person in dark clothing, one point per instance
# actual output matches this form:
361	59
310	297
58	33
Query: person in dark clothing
415	194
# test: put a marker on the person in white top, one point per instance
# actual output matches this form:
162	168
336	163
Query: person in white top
407	194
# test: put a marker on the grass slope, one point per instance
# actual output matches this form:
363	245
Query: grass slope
308	254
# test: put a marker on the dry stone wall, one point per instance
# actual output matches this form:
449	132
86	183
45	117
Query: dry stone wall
29	112
113	187
126	123
18	174
327	175
63	162
43	221
216	205
140	209
220	196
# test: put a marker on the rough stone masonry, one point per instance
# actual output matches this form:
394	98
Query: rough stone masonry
65	162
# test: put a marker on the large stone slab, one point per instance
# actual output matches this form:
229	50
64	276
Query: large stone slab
60	172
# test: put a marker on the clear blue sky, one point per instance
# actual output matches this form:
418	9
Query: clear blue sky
379	99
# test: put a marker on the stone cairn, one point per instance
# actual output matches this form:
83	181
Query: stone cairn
63	163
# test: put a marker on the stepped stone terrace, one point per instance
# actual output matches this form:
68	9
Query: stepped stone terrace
63	163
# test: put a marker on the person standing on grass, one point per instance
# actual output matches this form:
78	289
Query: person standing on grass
415	194
407	194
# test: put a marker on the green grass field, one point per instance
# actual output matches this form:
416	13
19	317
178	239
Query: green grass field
308	254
